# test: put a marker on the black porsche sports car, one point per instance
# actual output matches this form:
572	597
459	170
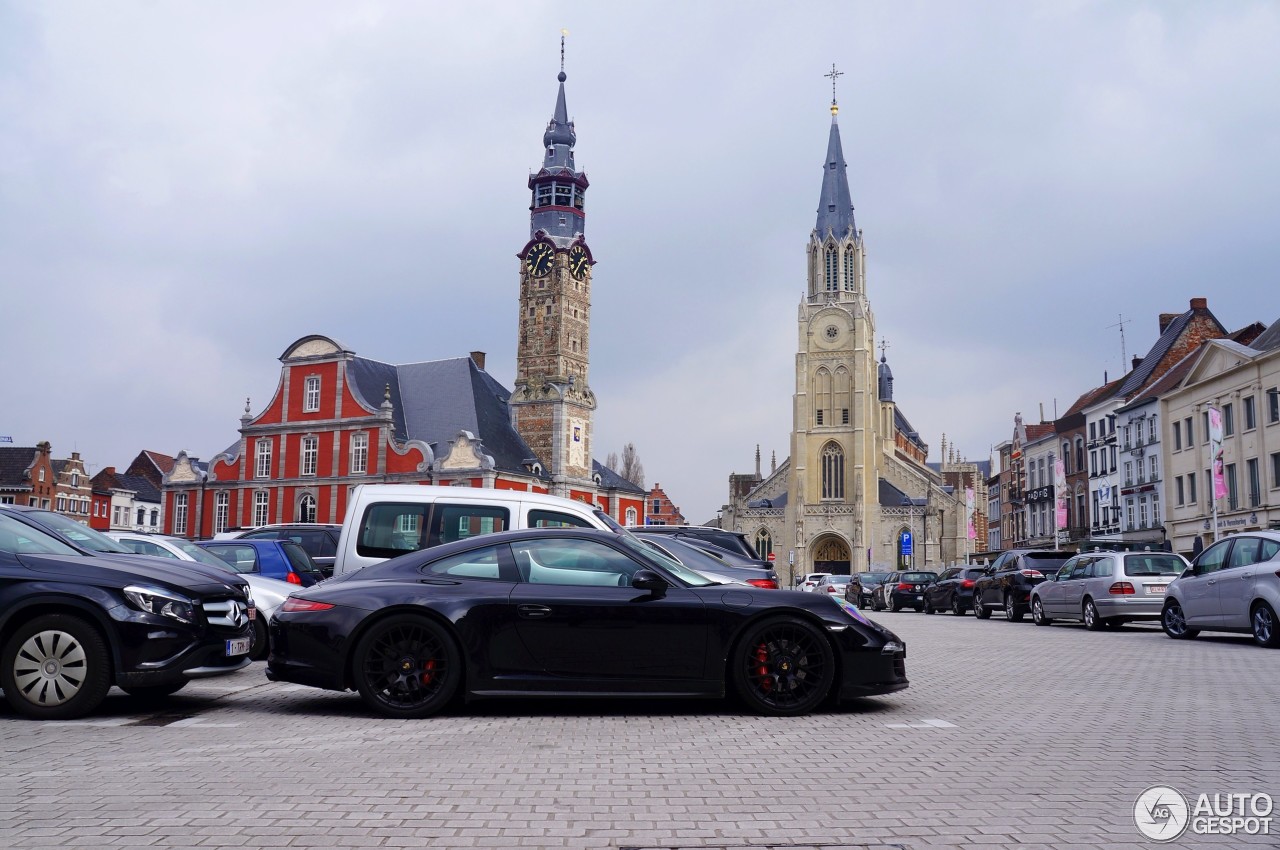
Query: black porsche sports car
572	612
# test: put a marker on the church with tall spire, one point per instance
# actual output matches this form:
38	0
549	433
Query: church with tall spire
857	491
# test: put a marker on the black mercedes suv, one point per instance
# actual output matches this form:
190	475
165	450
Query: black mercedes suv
74	623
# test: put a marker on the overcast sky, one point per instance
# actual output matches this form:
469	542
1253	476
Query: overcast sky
187	188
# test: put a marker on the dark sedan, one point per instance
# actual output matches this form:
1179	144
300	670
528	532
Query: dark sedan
903	590
572	612
953	591
862	587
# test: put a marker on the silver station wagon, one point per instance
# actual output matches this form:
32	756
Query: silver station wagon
1106	589
1233	586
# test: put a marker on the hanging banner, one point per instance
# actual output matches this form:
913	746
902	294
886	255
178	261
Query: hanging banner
968	513
1215	449
1060	491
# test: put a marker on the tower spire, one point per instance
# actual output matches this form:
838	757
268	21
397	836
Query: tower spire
835	205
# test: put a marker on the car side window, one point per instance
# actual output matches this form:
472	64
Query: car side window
243	559
459	522
1248	550
579	563
299	560
555	519
483	563
1081	569
1212	559
389	529
1269	549
1102	568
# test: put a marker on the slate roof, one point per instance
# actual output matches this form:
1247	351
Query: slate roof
892	497
1269	339
1138	378
432	401
779	501
901	425
1168	381
14	461
142	486
612	480
984	467
835	205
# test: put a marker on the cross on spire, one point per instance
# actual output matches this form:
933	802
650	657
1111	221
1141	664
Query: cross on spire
884	344
563	33
834	75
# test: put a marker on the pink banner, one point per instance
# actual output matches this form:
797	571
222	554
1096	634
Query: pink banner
968	512
1060	493
1219	480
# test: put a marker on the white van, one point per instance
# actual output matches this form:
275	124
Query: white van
386	520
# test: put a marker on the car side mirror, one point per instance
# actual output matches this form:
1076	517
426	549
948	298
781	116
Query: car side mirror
648	580
1188	572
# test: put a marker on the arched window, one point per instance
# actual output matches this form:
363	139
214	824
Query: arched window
764	543
840	411
833	269
832	471
1079	454
822	398
850	270
1066	459
631	516
155	517
142	517
307	508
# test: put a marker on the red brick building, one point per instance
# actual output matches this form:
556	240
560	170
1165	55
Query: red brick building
338	420
27	476
660	510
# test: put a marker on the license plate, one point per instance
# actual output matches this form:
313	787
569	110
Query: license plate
919	597
238	646
1156	588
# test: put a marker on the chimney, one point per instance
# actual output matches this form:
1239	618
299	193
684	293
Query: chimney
1166	319
1137	361
1199	303
478	358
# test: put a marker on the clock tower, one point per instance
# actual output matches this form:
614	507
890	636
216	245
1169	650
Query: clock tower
552	402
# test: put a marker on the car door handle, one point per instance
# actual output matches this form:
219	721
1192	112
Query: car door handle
1212	581
1247	575
533	612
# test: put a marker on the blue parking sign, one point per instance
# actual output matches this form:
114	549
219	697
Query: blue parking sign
905	540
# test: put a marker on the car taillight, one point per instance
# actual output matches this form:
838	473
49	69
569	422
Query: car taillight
766	583
903	586
1033	574
967	583
831	588
1121	588
294	604
293	578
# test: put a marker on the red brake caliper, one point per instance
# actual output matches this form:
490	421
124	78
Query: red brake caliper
428	671
762	669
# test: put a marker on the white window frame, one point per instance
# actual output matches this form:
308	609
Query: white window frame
179	513
221	511
311	394
261	507
359	464
262	458
310	455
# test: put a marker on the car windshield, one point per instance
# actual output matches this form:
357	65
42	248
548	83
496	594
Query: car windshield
81	535
1153	564
919	576
18	538
838	579
679	570
872	576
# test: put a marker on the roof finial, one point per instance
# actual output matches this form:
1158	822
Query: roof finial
883	345
834	75
562	76
246	405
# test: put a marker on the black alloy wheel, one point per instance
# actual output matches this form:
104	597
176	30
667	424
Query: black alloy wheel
784	667
928	606
1012	612
1174	622
957	607
1263	622
1037	613
55	667
980	610
894	605
1092	621
406	666
154	692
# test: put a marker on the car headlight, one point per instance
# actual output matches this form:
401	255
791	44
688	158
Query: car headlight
163	602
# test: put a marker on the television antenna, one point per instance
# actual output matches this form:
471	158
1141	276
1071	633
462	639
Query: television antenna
1124	355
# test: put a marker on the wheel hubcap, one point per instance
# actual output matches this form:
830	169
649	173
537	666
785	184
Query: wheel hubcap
1173	620
50	668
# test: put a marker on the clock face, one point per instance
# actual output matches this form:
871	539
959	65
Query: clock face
538	260
578	263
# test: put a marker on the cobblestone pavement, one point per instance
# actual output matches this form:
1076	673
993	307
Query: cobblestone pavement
1009	736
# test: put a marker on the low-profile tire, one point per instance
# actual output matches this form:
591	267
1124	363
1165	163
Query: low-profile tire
982	612
154	692
1174	622
1037	613
928	607
406	666
1262	621
957	606
862	605
783	666
55	667
1011	611
261	640
893	605
1092	620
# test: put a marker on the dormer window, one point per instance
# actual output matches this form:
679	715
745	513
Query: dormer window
551	152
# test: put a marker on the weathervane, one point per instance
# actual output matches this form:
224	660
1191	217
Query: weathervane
834	75
883	345
563	33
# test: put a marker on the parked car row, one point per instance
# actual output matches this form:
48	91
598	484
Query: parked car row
1232	586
